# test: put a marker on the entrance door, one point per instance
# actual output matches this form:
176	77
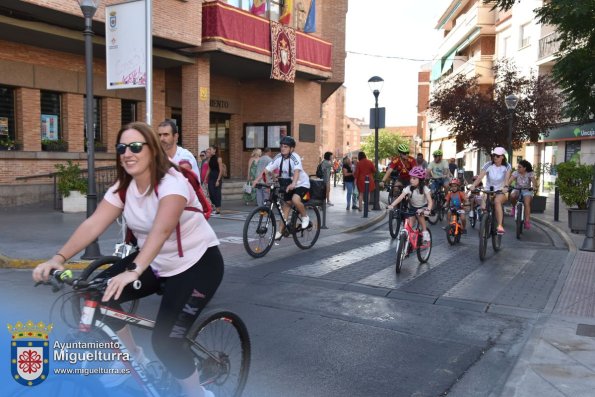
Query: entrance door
219	136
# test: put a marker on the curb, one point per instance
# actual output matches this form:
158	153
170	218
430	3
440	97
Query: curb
16	263
563	235
367	224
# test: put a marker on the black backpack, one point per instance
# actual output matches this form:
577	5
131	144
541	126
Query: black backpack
319	173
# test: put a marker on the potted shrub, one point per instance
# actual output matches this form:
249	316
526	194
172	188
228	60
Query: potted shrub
574	182
57	145
72	186
539	202
98	147
7	144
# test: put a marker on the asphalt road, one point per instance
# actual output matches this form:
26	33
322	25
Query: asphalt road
336	320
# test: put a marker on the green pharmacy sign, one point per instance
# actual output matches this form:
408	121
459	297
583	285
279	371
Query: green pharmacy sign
570	131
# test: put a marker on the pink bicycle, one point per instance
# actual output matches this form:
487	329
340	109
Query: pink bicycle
411	239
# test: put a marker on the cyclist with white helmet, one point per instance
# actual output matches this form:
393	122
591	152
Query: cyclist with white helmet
439	171
400	166
498	173
420	198
293	177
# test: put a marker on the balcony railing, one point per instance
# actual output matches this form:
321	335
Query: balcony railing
548	45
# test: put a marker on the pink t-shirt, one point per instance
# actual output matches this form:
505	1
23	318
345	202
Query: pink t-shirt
140	211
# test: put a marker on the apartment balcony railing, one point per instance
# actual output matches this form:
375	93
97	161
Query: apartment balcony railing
234	27
548	45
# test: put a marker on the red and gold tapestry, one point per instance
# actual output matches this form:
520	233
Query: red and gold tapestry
283	52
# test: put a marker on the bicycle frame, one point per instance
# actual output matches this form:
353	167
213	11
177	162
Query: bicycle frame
412	234
275	201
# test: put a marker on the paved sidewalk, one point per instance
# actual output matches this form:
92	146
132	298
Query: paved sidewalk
33	233
559	356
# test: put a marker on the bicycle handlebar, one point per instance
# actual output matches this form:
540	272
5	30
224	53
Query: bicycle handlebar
58	278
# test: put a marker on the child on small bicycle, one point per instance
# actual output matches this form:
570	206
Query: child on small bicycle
420	198
475	198
524	178
456	199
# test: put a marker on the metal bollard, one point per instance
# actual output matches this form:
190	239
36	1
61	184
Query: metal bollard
589	241
556	204
323	226
366	195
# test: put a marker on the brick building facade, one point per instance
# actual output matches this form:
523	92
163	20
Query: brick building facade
211	73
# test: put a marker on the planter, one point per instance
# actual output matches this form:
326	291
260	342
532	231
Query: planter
55	147
74	203
577	220
538	204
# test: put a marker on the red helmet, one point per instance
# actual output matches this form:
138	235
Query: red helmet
455	181
418	172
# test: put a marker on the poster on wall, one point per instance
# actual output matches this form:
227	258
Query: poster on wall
125	48
3	126
49	127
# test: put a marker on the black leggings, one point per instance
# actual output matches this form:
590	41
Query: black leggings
215	191
184	297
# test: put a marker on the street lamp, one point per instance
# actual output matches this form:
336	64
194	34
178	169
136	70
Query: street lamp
376	84
88	7
511	102
589	241
431	127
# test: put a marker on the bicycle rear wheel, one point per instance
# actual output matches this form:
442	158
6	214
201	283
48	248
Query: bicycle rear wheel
484	232
221	346
424	248
473	219
306	238
394	223
401	252
451	234
259	231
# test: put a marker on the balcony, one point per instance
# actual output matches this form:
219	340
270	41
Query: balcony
236	32
548	46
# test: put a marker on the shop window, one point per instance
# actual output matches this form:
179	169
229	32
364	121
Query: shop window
7	124
96	119
573	151
128	112
263	135
50	116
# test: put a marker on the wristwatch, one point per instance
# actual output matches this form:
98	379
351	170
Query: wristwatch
133	267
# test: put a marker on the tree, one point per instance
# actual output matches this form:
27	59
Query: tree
477	115
574	71
387	144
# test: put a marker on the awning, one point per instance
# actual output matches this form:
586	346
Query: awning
448	62
462	153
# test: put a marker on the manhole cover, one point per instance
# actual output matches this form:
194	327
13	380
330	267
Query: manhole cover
585	330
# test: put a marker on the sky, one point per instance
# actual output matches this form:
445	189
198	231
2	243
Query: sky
391	29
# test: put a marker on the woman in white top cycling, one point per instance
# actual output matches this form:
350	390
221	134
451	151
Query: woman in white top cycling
497	172
420	197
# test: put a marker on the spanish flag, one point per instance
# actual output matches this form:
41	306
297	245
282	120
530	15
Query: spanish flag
258	7
285	17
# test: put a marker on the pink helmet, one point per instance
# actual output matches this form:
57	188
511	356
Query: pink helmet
418	172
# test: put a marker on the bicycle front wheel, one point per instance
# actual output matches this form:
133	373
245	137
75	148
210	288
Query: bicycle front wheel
394	223
259	231
401	252
484	232
519	220
424	248
221	346
496	239
433	217
451	233
306	238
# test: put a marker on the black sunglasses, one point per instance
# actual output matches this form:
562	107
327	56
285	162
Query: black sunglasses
498	155
135	147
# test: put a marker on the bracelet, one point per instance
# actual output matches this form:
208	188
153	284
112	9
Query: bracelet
59	254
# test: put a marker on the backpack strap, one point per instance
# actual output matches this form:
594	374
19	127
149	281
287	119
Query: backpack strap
129	237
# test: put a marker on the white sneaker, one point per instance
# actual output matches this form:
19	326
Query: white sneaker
426	236
278	236
207	393
305	222
114	380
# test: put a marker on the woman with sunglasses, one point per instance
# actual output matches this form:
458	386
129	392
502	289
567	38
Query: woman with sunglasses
497	172
156	196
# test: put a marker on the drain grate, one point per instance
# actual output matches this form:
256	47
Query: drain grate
585	330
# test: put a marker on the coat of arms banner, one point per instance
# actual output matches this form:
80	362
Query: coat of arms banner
283	52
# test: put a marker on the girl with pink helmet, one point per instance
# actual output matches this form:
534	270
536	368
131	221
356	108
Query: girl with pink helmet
420	198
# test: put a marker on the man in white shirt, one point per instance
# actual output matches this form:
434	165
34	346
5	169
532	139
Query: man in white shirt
168	136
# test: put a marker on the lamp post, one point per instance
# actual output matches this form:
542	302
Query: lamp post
511	102
376	84
88	7
589	241
431	127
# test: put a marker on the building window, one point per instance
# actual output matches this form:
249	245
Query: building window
96	119
260	135
573	151
50	116
7	126
128	112
243	4
274	9
525	35
506	47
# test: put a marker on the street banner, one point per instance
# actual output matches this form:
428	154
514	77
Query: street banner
283	47
125	39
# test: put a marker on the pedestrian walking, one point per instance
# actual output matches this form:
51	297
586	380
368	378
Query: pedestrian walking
168	138
364	168
214	178
348	180
327	167
249	192
262	194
